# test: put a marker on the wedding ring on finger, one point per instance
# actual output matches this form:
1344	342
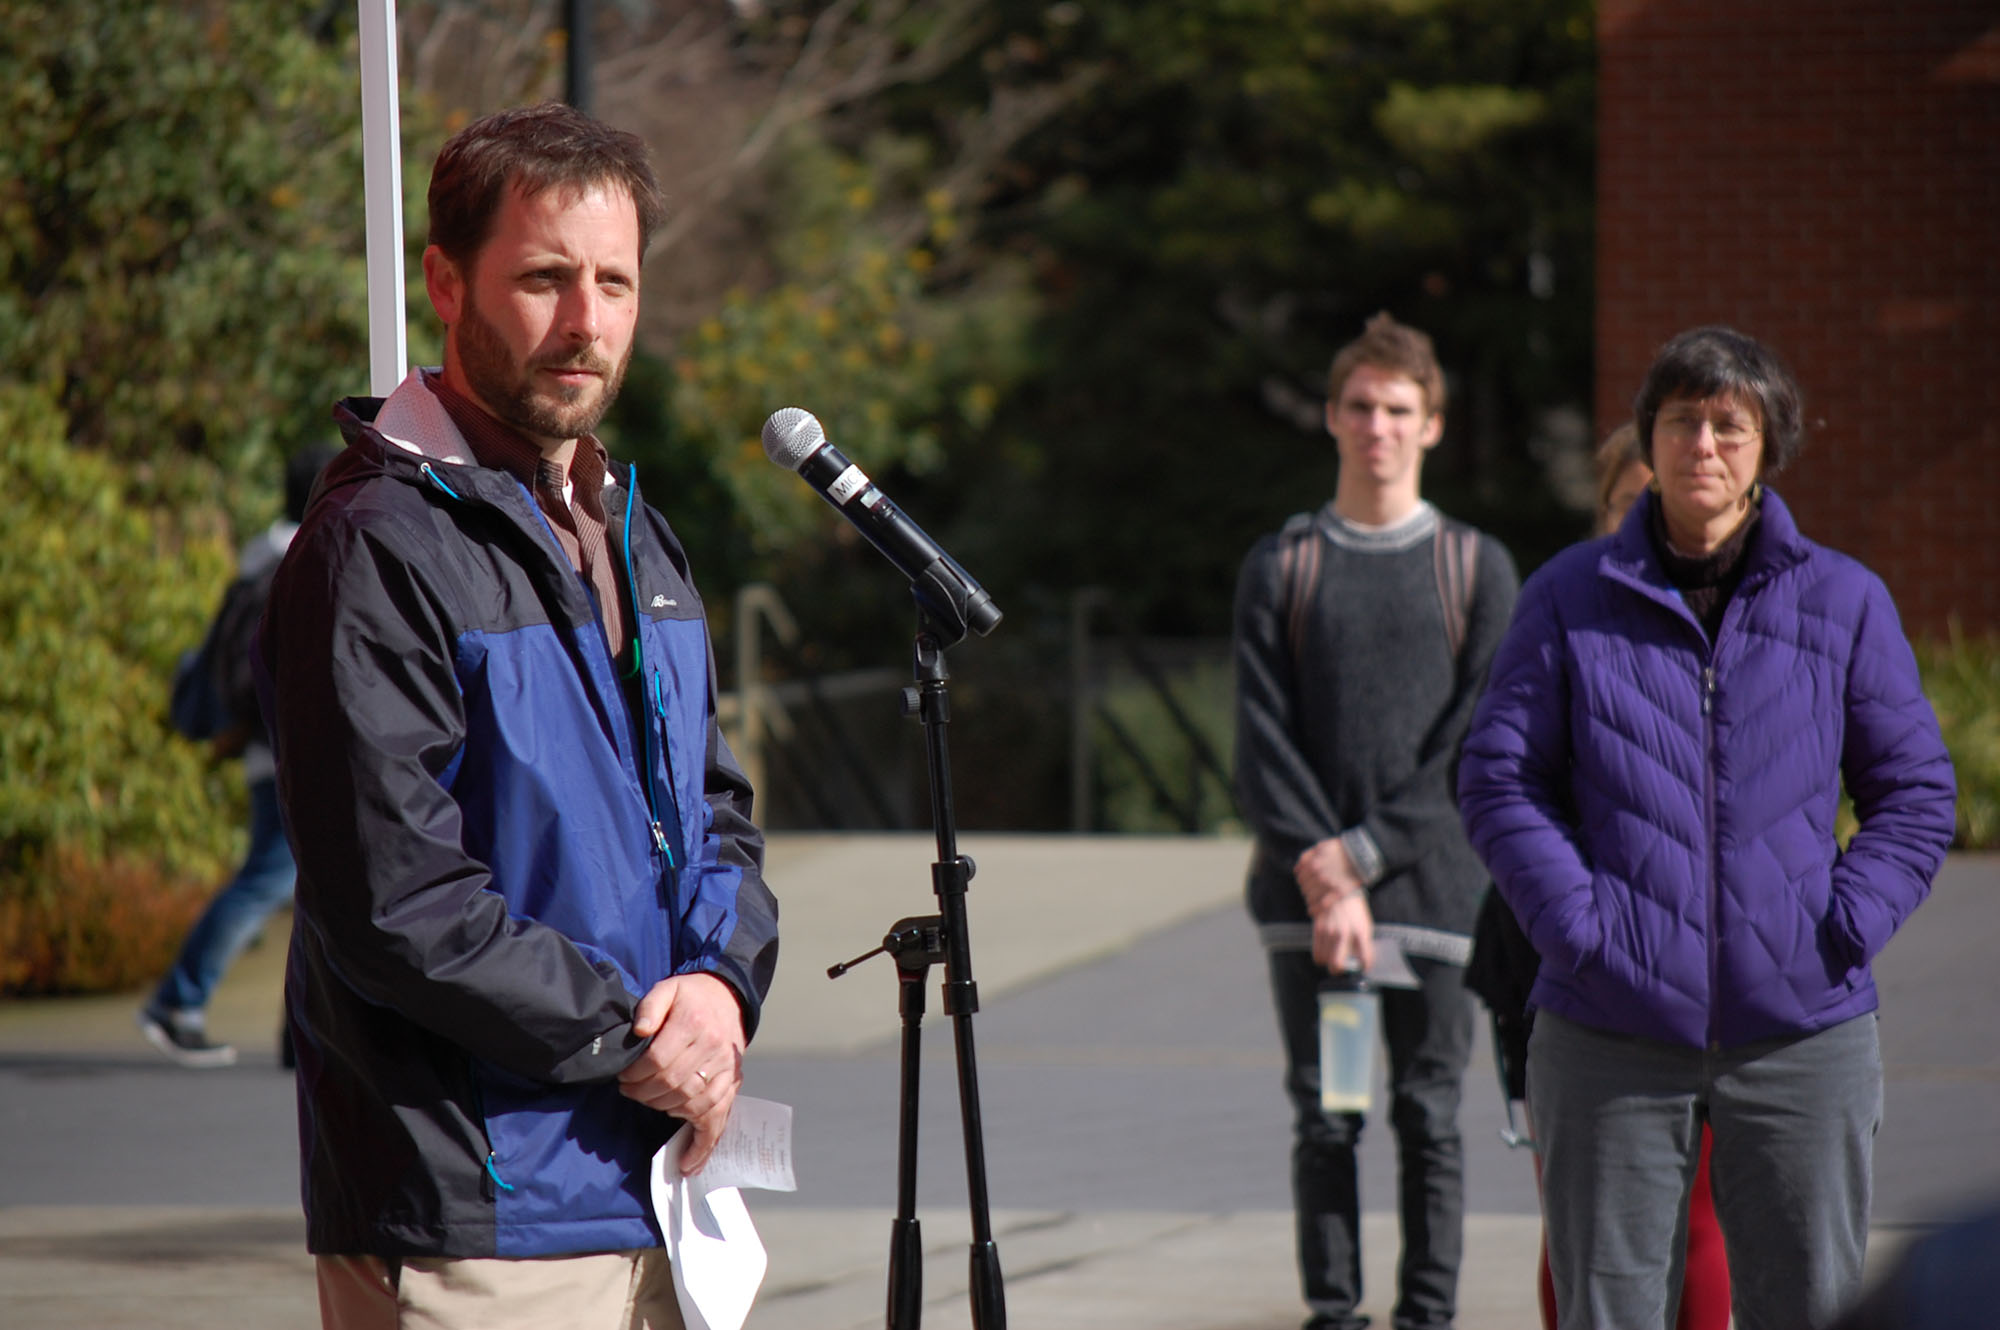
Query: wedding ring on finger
702	1074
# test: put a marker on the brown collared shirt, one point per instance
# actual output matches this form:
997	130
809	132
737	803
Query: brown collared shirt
577	519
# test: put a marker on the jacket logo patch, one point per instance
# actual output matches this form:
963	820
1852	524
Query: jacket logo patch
665	603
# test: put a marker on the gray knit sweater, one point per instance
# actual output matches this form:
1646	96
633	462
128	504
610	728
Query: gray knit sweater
1357	734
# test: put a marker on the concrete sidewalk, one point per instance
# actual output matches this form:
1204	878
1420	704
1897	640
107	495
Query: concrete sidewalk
1038	905
1044	911
177	1266
173	1268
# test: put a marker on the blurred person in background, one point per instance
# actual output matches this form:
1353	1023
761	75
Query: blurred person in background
1622	476
1947	1279
1653	778
1363	631
175	1019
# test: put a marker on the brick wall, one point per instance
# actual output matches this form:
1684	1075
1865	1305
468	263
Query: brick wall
1825	175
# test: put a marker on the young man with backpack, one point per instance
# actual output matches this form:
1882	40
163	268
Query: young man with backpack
215	701
1363	634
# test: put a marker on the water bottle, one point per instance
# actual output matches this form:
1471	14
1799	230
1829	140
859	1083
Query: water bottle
1348	1015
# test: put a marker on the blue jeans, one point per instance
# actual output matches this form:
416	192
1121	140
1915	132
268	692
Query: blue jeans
1428	1035
262	884
1618	1123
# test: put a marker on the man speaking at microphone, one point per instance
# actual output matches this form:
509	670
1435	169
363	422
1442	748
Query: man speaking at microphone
532	929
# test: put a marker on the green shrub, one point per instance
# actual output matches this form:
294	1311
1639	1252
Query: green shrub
858	325
181	237
98	595
1962	678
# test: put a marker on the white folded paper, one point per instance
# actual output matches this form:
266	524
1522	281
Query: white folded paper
1392	967
718	1260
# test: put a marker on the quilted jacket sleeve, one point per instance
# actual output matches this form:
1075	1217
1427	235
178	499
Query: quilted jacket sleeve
1896	769
1513	786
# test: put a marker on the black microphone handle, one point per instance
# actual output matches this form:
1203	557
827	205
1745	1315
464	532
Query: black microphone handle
942	586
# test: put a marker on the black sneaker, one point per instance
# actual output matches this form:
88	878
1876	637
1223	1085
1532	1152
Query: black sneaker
183	1039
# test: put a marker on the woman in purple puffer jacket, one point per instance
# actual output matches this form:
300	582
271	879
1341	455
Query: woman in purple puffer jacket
1652	778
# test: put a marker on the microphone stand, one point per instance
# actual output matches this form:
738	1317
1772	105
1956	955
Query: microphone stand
917	943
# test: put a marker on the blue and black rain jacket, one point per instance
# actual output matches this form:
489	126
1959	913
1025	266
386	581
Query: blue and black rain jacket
503	842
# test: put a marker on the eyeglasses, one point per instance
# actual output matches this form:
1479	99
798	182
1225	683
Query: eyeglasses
1682	424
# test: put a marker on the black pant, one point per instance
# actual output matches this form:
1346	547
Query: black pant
1428	1034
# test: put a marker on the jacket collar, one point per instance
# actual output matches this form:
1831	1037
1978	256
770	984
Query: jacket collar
1628	554
415	420
409	437
413	423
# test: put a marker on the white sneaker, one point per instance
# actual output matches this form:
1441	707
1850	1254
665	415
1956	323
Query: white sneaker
183	1038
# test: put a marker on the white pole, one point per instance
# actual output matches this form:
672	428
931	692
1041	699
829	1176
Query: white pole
382	179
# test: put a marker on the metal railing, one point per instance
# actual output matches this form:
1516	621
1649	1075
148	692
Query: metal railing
796	734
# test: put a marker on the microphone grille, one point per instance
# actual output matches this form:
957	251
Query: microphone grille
791	435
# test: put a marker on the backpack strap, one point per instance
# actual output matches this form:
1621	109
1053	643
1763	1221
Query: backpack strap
1457	564
1301	550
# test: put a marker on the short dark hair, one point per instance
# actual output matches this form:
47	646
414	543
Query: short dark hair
1385	344
532	149
1710	361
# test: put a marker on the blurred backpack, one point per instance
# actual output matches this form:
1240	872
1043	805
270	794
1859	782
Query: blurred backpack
1300	549
213	693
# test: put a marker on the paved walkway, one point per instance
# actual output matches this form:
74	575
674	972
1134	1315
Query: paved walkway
1135	1132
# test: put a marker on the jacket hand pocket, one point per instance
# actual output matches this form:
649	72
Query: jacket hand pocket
1585	929
1837	951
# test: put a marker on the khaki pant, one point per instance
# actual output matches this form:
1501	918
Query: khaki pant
631	1290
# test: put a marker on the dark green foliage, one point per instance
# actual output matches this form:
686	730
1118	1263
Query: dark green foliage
181	252
1247	184
1098	358
1224	191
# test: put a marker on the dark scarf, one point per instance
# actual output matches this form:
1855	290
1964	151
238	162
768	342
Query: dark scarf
1705	581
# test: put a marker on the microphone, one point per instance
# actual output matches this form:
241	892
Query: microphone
794	439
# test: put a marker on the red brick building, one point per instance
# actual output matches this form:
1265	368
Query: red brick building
1825	175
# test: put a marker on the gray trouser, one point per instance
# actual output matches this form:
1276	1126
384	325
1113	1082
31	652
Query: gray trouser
1618	1120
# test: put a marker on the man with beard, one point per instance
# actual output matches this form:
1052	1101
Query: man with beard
532	929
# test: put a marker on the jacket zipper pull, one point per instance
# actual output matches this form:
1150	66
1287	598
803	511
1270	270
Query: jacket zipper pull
1707	689
660	844
438	481
493	1172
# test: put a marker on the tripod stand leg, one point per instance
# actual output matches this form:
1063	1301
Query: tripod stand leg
989	1306
906	1243
906	1275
